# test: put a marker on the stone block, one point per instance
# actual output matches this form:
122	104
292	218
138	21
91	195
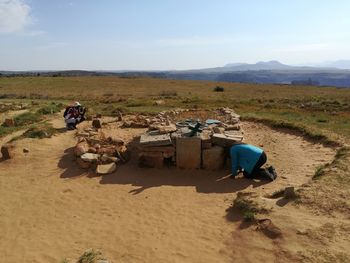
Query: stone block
151	159
106	168
225	141
166	129
188	152
213	158
155	140
220	130
235	127
167	151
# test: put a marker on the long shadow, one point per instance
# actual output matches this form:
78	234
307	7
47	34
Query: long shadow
67	162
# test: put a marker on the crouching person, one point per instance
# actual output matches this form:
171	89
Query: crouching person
74	115
250	159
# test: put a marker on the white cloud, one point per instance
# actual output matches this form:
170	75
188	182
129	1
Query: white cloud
14	15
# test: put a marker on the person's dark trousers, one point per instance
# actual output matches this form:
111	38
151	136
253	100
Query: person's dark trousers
257	170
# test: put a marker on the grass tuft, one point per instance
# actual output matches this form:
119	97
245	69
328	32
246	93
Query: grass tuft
40	132
90	256
247	206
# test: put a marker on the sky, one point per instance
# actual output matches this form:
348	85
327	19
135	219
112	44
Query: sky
169	34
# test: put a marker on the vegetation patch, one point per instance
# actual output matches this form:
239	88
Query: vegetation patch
248	206
42	131
27	118
219	89
276	194
50	109
89	256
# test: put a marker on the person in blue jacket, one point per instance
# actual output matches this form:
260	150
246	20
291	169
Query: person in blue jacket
250	159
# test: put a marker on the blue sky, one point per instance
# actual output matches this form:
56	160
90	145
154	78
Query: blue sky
169	34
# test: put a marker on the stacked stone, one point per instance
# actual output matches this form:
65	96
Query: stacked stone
204	150
101	154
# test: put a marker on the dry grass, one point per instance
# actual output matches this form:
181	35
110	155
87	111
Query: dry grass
322	110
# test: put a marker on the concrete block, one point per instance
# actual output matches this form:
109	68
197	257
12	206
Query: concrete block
213	158
188	152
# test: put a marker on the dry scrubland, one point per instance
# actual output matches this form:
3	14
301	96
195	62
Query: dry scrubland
315	223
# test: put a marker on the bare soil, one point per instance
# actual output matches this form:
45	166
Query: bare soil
51	209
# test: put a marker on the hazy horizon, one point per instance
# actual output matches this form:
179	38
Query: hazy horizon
169	35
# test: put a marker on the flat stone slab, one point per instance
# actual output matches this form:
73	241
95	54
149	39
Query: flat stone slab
224	140
155	140
106	168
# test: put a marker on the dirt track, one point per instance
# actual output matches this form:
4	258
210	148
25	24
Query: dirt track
50	209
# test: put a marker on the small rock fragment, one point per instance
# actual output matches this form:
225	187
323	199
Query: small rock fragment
7	151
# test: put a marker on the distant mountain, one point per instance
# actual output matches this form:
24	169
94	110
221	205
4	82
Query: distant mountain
340	64
269	65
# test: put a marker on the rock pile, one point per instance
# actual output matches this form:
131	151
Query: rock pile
185	147
95	151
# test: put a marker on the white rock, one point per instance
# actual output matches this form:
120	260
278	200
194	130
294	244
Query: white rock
90	157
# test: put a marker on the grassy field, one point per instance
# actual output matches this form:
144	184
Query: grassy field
320	110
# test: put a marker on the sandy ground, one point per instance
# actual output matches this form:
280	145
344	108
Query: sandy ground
50	209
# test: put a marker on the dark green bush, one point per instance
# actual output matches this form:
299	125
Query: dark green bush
219	89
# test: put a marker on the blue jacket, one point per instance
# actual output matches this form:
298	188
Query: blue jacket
244	156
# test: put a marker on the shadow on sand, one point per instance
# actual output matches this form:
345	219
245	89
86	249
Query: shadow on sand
70	167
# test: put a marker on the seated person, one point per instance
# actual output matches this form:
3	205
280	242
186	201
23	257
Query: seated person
250	159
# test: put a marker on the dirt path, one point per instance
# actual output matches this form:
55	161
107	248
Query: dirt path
50	209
